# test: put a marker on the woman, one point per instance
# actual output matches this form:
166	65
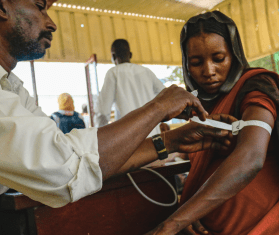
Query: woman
237	192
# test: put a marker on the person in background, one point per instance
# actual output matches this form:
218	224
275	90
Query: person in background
67	118
128	85
85	115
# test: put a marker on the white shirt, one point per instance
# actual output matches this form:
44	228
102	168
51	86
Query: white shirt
129	86
36	158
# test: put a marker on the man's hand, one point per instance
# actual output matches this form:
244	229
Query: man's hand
173	100
195	137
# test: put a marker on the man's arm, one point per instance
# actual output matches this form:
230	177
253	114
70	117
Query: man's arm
119	140
234	174
38	160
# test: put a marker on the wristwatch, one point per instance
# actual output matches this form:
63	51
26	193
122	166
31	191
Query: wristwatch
160	147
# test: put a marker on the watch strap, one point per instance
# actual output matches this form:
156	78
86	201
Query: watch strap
160	147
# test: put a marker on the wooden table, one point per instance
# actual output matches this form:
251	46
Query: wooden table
118	209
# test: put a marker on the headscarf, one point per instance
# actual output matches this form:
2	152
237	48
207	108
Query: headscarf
228	30
66	102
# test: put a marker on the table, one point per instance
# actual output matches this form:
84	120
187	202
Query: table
117	209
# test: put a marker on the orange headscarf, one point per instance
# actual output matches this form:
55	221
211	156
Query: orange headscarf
66	102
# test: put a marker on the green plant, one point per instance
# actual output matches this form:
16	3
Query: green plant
176	75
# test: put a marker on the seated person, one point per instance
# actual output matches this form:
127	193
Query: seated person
85	116
234	192
66	118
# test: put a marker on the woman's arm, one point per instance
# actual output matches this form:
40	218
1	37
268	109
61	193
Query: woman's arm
236	172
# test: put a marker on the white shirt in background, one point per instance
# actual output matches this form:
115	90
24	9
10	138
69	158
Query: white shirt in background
129	86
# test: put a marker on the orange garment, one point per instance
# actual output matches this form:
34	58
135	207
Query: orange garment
254	210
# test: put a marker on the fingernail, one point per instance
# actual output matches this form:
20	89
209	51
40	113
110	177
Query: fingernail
224	132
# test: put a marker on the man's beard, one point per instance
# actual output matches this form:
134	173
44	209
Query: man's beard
23	49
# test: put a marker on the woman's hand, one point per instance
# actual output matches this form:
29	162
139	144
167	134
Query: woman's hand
194	137
194	229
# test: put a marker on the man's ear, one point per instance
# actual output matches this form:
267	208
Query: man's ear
114	57
3	10
131	55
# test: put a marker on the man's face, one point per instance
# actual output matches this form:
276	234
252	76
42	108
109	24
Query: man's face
31	29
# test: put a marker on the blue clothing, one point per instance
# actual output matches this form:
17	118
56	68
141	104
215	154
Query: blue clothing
66	123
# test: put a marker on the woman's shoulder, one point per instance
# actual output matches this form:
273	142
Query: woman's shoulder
258	72
265	83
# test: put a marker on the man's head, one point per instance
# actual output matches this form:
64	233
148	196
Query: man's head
120	51
25	28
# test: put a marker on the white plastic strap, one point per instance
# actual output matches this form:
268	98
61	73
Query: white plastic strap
238	125
235	127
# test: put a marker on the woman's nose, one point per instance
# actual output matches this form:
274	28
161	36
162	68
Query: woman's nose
208	69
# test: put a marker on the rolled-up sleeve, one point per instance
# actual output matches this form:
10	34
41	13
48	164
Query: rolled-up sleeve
37	159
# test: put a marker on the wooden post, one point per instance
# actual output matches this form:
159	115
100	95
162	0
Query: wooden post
34	81
92	59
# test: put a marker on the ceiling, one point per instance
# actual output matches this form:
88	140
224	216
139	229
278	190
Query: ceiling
176	9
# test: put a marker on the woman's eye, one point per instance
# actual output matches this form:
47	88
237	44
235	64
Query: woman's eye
219	59
195	63
41	7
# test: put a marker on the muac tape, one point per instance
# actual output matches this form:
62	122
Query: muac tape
235	127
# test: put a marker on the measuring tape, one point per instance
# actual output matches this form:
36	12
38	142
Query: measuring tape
235	127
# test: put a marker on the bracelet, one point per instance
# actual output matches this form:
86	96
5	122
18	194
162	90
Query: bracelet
160	147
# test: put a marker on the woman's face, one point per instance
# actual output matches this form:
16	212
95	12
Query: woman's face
209	61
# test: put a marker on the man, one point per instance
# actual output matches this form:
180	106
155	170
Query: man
129	86
37	159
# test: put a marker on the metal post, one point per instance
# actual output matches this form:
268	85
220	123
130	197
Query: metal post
89	94
95	70
34	81
92	59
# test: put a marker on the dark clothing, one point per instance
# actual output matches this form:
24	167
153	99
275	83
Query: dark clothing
66	123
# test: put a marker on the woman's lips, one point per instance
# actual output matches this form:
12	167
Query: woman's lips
211	86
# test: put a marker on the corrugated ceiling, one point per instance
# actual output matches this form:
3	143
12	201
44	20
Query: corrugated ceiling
177	9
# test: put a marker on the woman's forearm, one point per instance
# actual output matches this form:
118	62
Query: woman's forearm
234	174
144	154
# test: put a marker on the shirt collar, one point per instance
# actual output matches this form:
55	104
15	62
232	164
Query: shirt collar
14	82
3	74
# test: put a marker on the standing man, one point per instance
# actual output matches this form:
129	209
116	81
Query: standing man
129	86
38	160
